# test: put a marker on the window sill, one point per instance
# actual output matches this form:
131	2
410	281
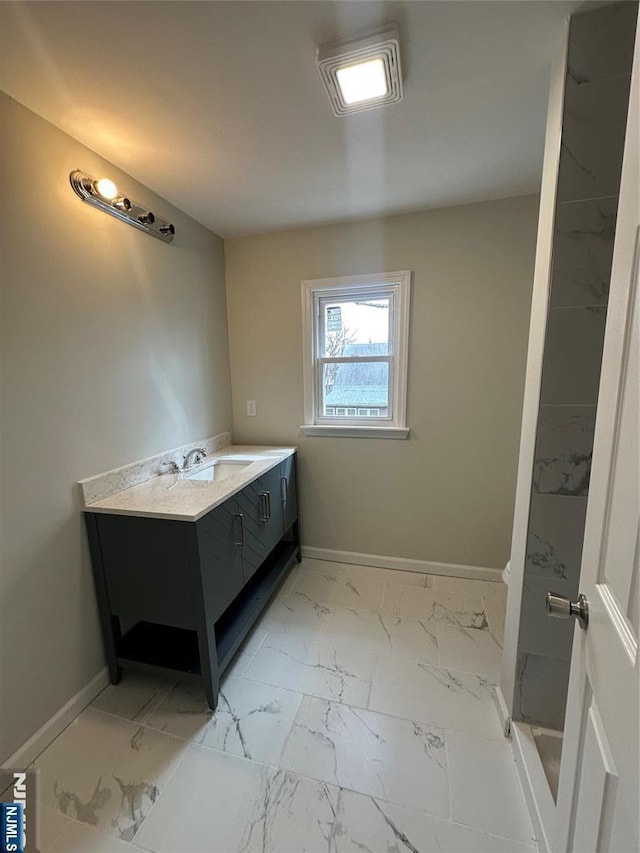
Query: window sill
355	431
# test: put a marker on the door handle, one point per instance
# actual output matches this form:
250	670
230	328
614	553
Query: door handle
561	607
241	542
284	489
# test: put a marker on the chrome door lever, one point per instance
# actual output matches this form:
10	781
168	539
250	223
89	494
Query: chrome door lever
561	607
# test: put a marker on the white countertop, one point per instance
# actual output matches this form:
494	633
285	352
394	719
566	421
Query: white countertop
176	497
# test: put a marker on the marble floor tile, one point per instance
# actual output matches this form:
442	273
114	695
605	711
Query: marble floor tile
367	825
289	582
498	807
395	759
307	666
324	567
467	586
252	720
331	590
434	606
135	697
466	611
52	824
81	838
107	772
245	653
296	615
394	596
394	576
452	700
221	804
414	639
356	717
469	650
496	616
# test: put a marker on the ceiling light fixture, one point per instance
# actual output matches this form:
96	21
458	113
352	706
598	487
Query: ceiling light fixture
104	195
362	74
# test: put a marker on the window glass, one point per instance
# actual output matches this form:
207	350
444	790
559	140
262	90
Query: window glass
354	385
350	326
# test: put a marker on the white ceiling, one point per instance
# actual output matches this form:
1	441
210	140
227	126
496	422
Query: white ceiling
218	106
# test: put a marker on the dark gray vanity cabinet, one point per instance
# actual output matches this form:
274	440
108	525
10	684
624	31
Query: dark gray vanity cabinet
289	492
146	566
260	506
178	597
220	556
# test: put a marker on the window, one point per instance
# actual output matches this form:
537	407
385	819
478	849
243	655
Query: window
355	337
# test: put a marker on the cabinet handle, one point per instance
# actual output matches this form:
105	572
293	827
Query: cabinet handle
268	505
241	542
284	489
264	511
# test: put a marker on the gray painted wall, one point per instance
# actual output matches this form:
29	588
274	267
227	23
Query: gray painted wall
113	347
595	111
447	493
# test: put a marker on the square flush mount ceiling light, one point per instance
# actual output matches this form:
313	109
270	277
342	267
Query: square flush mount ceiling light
362	74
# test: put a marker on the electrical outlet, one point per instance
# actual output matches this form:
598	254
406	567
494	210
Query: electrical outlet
251	408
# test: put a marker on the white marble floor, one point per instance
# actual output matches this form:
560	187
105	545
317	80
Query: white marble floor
357	717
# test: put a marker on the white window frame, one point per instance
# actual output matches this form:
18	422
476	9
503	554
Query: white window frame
397	285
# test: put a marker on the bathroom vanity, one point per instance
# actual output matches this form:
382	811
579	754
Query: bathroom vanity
185	562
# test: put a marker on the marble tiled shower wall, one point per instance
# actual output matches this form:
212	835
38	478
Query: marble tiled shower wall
594	120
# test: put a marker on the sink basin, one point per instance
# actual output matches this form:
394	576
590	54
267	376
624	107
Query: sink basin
219	470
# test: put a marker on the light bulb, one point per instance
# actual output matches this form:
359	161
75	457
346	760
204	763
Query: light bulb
106	188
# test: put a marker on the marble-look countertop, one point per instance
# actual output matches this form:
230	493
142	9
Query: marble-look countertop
175	497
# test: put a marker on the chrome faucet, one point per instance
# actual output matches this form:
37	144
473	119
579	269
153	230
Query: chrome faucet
197	454
170	465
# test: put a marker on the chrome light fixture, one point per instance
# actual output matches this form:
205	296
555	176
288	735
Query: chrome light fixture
104	195
362	74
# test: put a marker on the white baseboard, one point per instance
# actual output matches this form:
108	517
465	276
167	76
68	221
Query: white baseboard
47	733
403	564
542	809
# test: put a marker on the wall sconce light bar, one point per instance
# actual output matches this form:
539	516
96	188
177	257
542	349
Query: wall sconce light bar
104	195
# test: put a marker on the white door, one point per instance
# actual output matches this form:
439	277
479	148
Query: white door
599	794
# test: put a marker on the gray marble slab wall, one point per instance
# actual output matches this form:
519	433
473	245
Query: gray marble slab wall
596	102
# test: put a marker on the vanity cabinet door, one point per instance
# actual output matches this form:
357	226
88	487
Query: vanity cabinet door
261	507
289	492
148	574
219	537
